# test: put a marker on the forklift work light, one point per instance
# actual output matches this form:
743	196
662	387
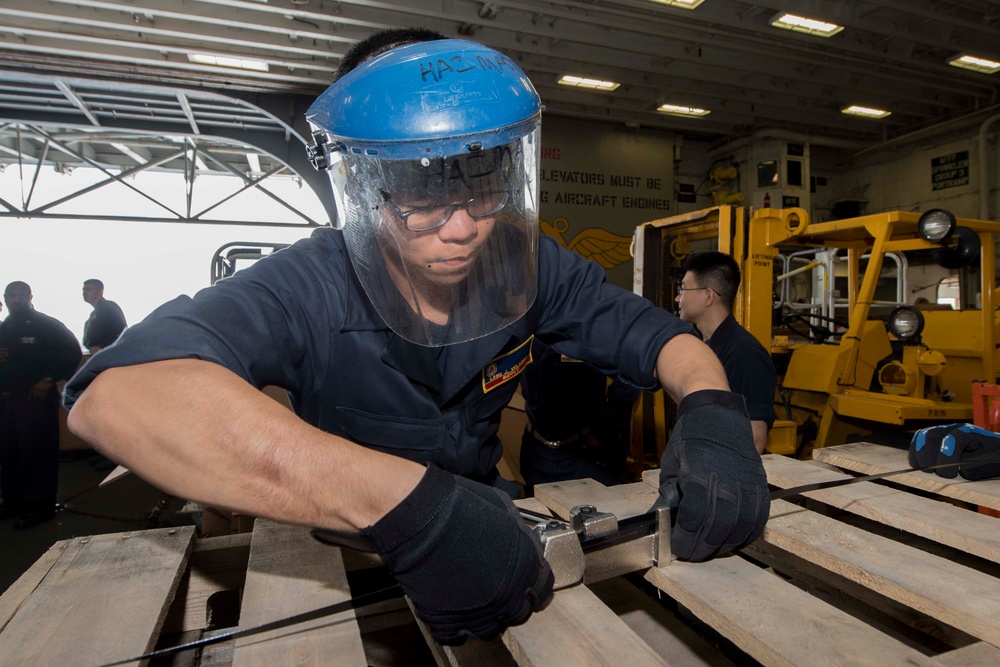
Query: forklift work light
936	225
906	323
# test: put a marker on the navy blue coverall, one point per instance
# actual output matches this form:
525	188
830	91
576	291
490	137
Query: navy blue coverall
38	347
300	319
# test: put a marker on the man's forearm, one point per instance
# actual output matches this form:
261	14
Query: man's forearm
685	365
759	429
200	432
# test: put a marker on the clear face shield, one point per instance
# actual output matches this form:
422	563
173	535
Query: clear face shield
445	247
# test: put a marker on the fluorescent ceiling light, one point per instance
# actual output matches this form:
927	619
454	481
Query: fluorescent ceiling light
808	26
866	112
682	111
683	4
227	61
975	64
581	82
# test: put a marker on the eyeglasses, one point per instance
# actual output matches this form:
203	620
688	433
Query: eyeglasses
426	218
692	289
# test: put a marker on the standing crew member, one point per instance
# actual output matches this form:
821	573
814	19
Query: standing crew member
106	321
36	352
399	338
578	424
705	299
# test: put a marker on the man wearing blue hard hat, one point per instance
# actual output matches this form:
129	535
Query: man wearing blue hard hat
399	336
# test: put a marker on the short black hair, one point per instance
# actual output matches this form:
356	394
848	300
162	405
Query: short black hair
94	282
20	284
716	270
379	43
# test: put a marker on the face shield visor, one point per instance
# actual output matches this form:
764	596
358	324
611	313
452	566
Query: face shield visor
439	211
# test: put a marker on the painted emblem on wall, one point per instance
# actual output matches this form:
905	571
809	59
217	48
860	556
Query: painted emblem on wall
595	243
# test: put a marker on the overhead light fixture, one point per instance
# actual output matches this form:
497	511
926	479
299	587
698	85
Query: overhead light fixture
805	25
582	82
228	61
975	64
683	4
677	110
865	112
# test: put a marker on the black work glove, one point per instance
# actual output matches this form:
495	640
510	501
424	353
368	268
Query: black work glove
712	474
925	445
976	450
462	553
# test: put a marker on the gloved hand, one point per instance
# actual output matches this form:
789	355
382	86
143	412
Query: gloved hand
461	552
925	445
974	449
712	473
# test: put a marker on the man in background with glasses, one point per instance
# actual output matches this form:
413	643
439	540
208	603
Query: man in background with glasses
705	299
399	336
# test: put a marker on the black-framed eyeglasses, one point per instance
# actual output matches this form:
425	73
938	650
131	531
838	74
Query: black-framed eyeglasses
426	218
692	289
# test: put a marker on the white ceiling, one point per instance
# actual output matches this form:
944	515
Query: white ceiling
723	55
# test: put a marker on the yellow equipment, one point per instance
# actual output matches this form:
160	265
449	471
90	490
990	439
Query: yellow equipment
856	355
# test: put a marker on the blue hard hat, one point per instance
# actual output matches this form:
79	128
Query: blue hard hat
428	99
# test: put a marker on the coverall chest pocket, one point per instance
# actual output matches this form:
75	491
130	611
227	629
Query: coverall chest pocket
401	436
485	410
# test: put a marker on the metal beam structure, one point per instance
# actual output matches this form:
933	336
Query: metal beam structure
724	55
123	130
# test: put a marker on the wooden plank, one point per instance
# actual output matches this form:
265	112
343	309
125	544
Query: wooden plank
665	633
950	592
473	653
532	504
21	590
577	629
623	501
870	459
889	616
773	621
105	600
217	564
942	522
289	573
979	654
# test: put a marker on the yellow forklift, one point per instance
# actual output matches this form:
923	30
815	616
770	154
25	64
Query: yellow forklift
878	325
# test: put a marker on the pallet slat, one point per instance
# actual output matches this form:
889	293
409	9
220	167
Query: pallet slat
773	621
623	501
974	655
871	459
21	590
217	564
759	612
289	573
944	523
950	592
107	593
578	629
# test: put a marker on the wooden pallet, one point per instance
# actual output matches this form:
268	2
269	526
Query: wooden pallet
870	573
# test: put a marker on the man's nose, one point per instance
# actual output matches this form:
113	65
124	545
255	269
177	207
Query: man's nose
460	227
